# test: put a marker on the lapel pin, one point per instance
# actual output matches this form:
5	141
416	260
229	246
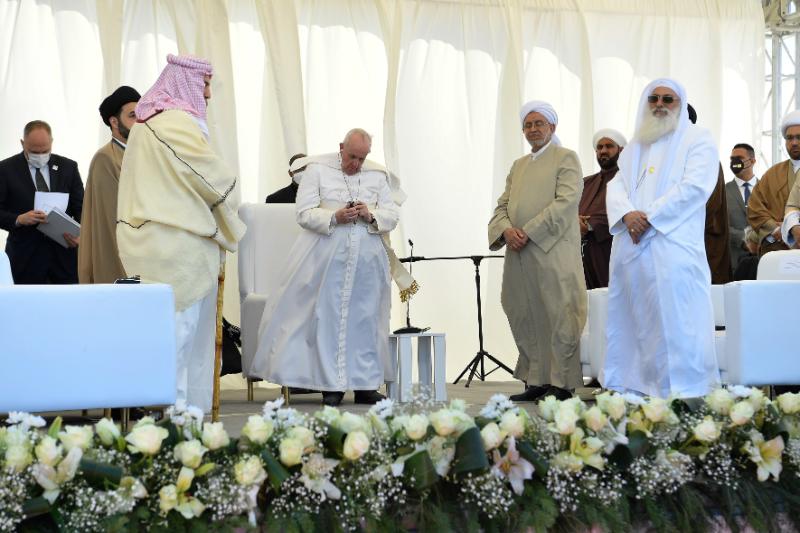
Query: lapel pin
55	167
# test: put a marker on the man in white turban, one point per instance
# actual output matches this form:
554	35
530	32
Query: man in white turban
765	210
660	318
592	218
543	294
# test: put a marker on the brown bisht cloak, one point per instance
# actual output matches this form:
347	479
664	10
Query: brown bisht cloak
718	251
768	202
596	244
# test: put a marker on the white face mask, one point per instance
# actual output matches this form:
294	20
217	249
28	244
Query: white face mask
38	160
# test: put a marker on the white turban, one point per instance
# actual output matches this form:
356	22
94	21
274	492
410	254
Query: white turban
541	107
791	119
609	133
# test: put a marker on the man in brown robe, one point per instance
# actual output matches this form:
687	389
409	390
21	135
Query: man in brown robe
717	238
543	292
98	257
595	237
767	203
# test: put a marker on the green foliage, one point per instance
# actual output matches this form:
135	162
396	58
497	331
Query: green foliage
470	454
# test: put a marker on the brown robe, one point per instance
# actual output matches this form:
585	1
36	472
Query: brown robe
767	204
596	244
98	257
718	251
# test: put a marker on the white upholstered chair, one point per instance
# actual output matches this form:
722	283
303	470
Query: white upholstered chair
5	270
593	339
718	302
71	347
782	264
271	231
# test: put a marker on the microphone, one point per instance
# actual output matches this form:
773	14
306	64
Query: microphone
410	242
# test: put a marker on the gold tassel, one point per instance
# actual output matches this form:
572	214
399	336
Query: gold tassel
405	294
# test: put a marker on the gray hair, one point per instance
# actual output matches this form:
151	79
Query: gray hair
358	131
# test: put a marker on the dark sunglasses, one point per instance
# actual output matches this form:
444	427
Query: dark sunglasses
666	98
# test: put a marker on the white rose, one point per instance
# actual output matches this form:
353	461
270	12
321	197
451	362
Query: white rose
190	453
548	407
707	430
656	409
356	444
378	424
350	422
48	451
145	421
443	422
167	498
249	471
756	398
720	401
595	418
463	422
398	423
512	424
789	403
612	404
18	457
416	427
214	436
492	436
458	404
77	437
303	435
742	412
146	439
291	451
257	429
107	430
566	419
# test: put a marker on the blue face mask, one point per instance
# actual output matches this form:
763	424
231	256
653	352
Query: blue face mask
39	160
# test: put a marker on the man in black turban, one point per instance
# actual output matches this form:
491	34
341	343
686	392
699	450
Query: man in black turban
98	258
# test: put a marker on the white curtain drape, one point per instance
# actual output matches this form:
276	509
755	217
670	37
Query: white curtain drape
438	82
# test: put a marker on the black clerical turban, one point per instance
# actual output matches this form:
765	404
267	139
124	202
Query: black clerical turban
114	102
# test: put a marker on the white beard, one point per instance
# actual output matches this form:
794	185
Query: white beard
654	127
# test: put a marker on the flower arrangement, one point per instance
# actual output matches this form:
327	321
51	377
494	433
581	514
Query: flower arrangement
621	463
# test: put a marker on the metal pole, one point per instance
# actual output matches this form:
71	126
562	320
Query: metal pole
777	104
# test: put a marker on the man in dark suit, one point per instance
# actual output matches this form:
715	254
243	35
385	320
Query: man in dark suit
288	194
743	157
36	258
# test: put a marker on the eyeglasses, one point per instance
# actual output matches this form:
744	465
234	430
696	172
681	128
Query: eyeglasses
539	124
666	98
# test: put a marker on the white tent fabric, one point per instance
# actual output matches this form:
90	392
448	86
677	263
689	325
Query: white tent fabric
438	82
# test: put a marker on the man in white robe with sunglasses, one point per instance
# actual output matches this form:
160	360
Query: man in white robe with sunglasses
660	318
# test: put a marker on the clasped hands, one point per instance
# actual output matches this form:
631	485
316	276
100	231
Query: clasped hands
515	238
637	224
351	214
37	216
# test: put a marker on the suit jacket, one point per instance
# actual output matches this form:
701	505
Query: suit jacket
286	195
26	244
737	221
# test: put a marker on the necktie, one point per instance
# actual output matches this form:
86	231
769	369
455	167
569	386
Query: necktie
41	185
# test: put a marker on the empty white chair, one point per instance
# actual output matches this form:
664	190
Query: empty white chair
783	264
86	346
761	318
597	319
718	302
271	232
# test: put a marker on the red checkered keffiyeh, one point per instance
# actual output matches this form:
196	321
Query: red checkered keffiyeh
180	86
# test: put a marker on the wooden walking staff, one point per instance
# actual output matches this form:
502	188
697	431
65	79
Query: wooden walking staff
218	345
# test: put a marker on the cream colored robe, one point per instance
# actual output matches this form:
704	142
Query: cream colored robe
177	207
544	291
98	258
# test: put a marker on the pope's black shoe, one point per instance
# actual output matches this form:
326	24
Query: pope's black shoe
559	393
368	396
332	398
531	394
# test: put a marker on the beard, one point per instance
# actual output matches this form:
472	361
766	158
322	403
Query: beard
654	127
609	162
123	131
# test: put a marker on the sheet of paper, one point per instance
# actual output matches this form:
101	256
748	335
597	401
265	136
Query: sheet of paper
46	201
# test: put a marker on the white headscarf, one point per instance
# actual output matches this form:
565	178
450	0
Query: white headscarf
791	119
612	134
634	151
544	109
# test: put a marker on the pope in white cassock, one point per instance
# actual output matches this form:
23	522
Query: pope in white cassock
660	317
326	326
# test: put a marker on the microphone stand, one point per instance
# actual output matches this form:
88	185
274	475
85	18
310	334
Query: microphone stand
408	327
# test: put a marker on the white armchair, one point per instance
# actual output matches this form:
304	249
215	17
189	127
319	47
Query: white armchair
782	264
5	270
86	346
271	231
